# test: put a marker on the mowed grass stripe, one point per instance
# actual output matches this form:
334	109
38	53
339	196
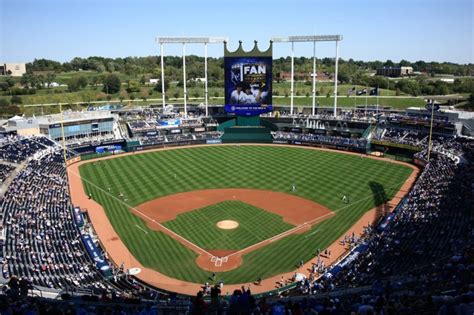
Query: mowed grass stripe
323	177
255	225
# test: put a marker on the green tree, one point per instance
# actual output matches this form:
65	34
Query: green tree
50	77
26	79
4	102
156	73
15	100
404	63
464	85
10	83
7	110
389	63
158	86
76	83
441	88
37	81
97	79
133	86
112	84
409	86
344	77
82	80
379	81
110	67
144	93
4	86
100	68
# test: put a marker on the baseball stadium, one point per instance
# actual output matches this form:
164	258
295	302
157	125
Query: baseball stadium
245	207
187	213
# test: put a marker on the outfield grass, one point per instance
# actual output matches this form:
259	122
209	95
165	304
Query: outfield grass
320	176
255	225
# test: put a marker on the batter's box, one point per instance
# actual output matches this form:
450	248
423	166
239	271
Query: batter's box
213	259
224	259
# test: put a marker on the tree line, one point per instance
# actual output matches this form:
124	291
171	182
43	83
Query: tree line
106	73
195	65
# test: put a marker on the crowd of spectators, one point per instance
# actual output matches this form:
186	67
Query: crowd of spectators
146	124
428	247
179	138
16	149
89	141
401	136
359	143
422	262
5	171
90	305
350	115
40	242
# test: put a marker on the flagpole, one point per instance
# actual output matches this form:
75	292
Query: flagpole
355	102
431	131
313	112
366	102
377	101
292	76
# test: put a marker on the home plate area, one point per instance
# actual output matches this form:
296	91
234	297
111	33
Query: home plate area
218	260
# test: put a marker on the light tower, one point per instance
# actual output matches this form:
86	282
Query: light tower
184	41
314	39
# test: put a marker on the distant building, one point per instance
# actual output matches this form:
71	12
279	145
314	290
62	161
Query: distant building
447	80
78	124
13	69
395	72
22	126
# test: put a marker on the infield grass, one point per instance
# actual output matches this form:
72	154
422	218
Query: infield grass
323	177
255	225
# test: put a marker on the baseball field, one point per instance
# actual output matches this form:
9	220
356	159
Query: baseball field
283	204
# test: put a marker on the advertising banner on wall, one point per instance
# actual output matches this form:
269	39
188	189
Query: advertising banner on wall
248	81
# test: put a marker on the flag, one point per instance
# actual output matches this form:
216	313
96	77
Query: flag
374	91
430	104
361	92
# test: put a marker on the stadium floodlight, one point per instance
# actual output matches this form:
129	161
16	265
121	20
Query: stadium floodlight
314	39
308	38
190	40
184	41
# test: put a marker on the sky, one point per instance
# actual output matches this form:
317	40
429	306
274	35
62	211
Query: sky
436	30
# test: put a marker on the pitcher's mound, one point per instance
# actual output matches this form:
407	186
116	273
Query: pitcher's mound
227	224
